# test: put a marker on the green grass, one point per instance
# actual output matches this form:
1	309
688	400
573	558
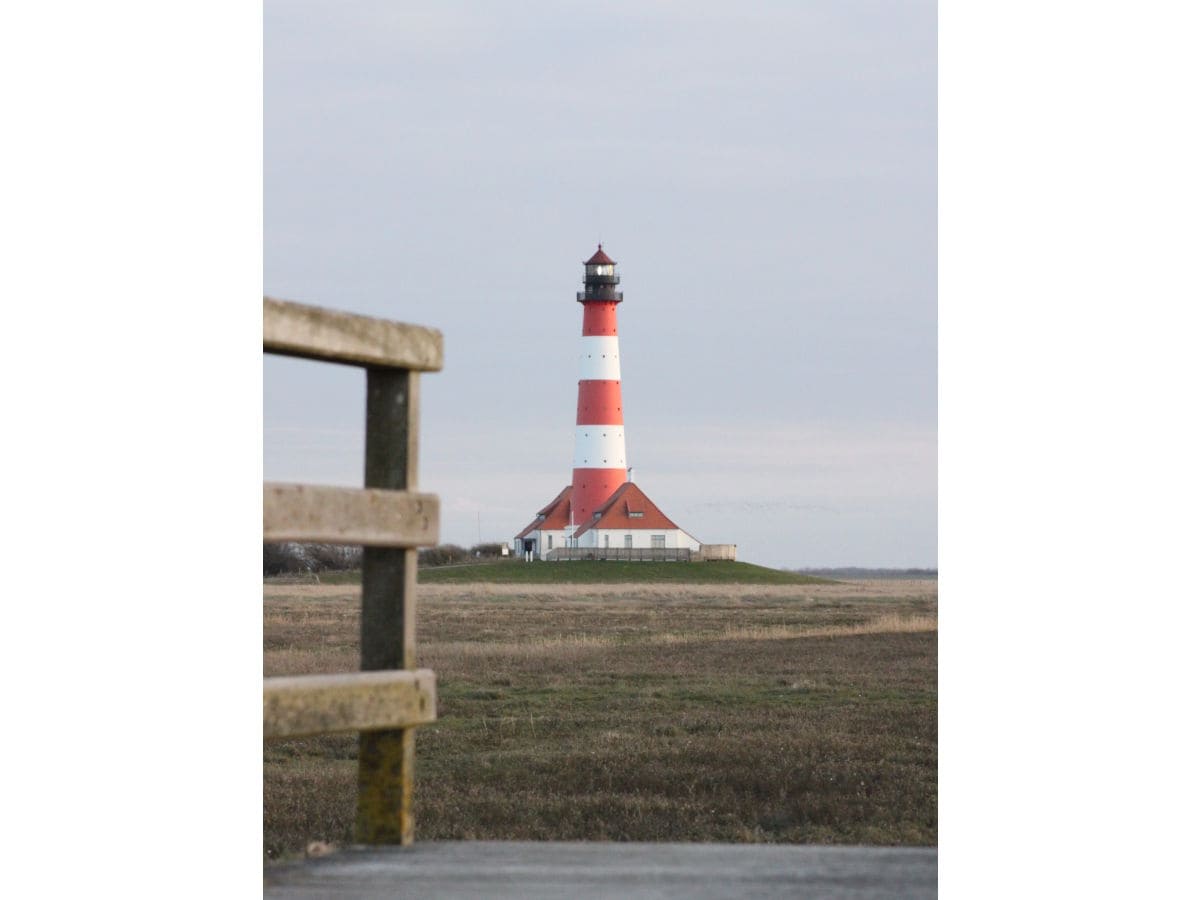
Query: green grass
579	572
514	571
591	572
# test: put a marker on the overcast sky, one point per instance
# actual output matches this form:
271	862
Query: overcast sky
763	173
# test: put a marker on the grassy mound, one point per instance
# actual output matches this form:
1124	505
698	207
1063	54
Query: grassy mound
611	572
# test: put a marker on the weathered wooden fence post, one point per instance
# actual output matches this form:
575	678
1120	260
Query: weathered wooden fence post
386	758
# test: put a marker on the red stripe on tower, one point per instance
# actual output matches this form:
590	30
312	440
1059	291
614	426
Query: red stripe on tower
600	466
600	317
599	403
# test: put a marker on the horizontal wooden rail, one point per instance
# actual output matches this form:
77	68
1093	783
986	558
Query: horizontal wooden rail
303	705
295	329
370	517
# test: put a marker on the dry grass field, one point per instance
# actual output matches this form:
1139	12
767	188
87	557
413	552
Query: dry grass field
665	712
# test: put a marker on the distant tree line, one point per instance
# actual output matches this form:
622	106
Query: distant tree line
856	572
303	559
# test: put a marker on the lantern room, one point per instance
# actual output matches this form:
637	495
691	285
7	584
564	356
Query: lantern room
600	278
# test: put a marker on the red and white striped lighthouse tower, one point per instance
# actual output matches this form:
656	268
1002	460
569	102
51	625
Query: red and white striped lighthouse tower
599	423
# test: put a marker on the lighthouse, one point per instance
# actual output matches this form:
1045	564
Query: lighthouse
602	511
600	466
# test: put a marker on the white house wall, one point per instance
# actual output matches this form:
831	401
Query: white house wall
539	541
675	539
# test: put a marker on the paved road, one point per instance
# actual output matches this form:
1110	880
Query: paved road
582	871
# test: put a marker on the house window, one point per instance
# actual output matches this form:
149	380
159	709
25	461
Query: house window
549	542
629	542
606	542
658	541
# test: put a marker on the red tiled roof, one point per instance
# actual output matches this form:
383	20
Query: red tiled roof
600	258
554	515
615	512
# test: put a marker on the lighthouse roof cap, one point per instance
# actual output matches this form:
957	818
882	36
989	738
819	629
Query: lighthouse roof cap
600	258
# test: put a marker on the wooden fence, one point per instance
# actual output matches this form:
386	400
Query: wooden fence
388	698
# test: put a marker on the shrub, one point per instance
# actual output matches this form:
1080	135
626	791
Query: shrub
293	558
486	549
442	555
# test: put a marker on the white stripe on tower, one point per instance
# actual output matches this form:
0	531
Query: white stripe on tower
599	359
599	447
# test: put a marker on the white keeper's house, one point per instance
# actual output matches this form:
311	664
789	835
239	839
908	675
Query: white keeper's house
627	520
